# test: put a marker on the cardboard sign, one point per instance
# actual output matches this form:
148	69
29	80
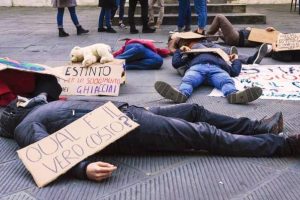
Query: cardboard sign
189	35
263	36
6	63
218	51
54	155
287	42
97	79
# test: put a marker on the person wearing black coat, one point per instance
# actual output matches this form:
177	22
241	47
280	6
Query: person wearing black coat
175	128
106	11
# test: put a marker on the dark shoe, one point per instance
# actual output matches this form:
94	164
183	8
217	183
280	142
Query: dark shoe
148	30
111	30
233	50
187	28
134	31
293	144
169	92
246	96
259	55
273	124
101	29
80	30
62	33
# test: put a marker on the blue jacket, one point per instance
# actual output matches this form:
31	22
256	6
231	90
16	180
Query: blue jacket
188	60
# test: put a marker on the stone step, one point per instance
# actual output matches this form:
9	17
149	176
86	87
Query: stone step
234	18
210	1
211	8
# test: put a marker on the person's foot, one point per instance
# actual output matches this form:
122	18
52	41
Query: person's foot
233	50
147	29
273	124
177	30
101	29
122	26
169	92
200	31
245	96
110	30
62	33
259	55
187	28
134	31
81	30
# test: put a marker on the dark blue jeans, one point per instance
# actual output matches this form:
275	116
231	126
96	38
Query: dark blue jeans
60	16
185	127
138	56
201	10
184	13
105	12
120	5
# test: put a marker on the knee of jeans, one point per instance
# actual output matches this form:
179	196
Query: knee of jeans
188	79
219	16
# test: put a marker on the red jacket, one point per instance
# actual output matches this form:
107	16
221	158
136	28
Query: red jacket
147	43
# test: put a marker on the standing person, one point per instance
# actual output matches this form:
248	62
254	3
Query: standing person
201	10
70	4
161	13
184	16
144	7
119	5
106	9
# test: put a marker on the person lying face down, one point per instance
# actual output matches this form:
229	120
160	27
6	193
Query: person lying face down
177	128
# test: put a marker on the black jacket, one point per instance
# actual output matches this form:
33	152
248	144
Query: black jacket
107	3
46	119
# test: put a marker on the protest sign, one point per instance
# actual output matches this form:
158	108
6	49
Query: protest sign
54	155
218	51
287	42
189	35
263	36
97	79
7	63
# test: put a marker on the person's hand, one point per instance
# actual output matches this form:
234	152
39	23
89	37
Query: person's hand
233	57
270	29
97	171
185	48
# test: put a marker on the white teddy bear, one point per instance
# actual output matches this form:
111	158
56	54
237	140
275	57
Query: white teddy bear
91	54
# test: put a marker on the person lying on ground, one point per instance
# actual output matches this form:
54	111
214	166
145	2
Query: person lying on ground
207	68
176	128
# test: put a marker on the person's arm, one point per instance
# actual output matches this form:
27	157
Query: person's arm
179	59
236	65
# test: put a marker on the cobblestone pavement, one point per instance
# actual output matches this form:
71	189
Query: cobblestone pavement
30	34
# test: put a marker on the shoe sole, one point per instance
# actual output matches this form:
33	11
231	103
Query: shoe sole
168	92
246	96
263	49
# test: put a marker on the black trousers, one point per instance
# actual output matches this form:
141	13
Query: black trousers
132	6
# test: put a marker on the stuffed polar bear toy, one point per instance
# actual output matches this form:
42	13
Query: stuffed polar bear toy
91	54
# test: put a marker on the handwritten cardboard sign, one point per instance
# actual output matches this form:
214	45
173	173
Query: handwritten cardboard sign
7	63
97	79
54	155
263	36
218	51
287	42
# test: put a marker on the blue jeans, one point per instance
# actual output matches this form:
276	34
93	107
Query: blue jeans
185	127
105	12
201	10
138	56
60	16
206	73
120	4
184	13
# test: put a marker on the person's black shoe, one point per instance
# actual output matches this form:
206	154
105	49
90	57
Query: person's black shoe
111	30
245	96
293	144
274	124
134	31
62	33
101	29
148	30
187	28
259	55
169	92
80	30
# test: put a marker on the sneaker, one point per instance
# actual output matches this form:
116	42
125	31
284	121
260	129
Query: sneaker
110	30
148	30
101	29
259	55
134	31
233	50
273	124
122	26
169	92
177	30
246	96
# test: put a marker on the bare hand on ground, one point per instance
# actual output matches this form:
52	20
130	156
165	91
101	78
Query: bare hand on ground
185	48
97	171
233	57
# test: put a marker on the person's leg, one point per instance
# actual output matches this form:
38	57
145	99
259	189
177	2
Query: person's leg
108	21
131	10
161	5
114	9
144	7
121	14
151	11
101	19
159	133
59	19
133	52
181	14
231	36
201	10
75	21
